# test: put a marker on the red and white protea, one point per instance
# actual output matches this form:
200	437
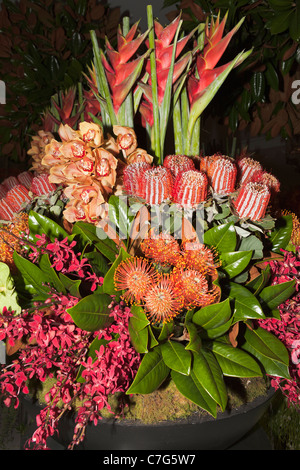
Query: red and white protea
223	175
41	186
178	163
247	167
132	178
158	184
252	201
190	188
17	197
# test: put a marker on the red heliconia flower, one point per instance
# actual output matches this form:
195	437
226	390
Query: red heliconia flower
132	178
65	108
252	201
247	167
178	163
158	184
163	301
163	56
207	60
190	188
135	276
122	73
41	185
223	175
17	197
162	248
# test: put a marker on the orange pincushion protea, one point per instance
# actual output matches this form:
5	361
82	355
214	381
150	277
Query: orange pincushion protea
162	248
8	241
135	276
158	183
133	182
223	175
194	287
163	301
190	188
252	201
178	163
246	169
199	257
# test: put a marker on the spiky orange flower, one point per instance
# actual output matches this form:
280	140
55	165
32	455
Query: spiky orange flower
8	241
162	248
135	276
199	257
163	301
194	287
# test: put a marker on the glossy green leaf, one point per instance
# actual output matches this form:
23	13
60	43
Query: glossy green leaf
209	374
259	282
233	263
195	342
221	237
89	233
269	350
33	275
281	235
51	274
138	319
176	357
97	261
214	315
108	281
191	388
40	224
71	285
246	304
214	333
272	296
8	293
235	362
92	312
252	243
139	339
151	373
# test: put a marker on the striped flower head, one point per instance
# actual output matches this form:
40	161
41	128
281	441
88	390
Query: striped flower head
247	167
162	248
252	201
178	163
223	175
158	184
135	276
190	188
133	180
163	301
18	197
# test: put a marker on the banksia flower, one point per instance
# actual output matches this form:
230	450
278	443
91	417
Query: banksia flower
133	180
6	210
252	201
267	178
223	175
178	163
3	191
41	185
158	183
10	182
247	167
17	197
190	188
162	248
135	276
25	178
163	301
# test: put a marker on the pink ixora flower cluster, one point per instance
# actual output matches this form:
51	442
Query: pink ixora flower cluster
52	346
287	328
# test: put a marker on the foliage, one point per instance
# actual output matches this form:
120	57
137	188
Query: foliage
45	47
259	94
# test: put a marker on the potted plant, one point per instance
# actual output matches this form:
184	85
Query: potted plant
124	270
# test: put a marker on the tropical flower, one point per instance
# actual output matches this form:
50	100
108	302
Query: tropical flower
252	201
158	183
178	163
162	248
190	188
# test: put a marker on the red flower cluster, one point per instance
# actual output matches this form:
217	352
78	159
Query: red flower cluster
287	328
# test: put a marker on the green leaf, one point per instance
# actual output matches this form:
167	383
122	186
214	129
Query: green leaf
33	274
272	296
71	285
246	304
98	262
252	243
208	373
8	294
139	339
108	282
269	350
92	312
119	215
281	235
221	237
89	233
259	282
258	86
191	388
51	274
139	319
235	362
151	374
195	342
176	357
40	224
233	263
214	315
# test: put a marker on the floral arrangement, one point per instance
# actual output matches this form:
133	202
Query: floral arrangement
121	270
